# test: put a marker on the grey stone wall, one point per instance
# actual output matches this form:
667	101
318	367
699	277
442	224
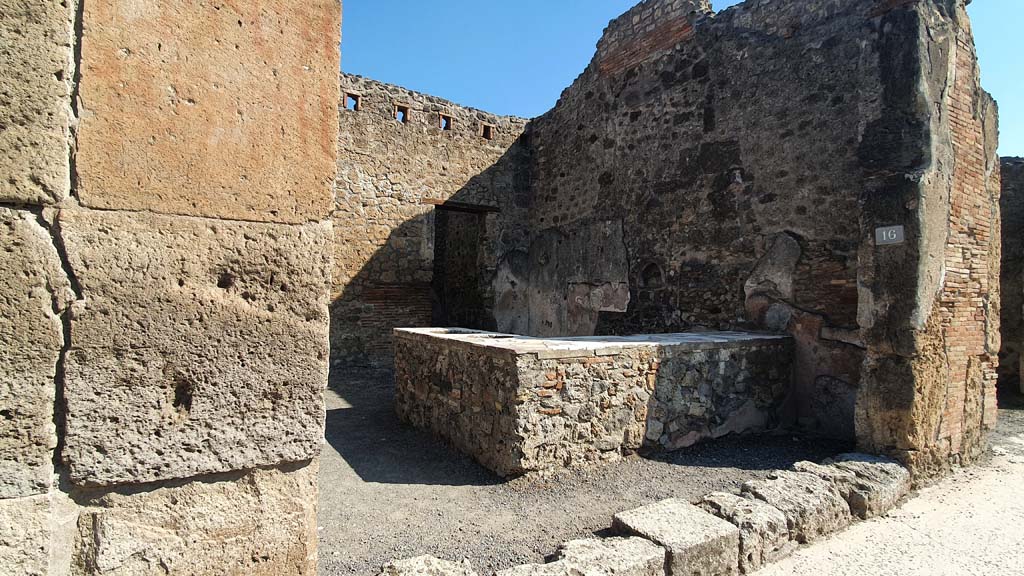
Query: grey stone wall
391	178
707	176
1012	273
522	405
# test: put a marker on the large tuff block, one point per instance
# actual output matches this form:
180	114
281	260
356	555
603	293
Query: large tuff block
600	557
764	533
36	69
210	109
37	535
200	346
697	542
813	507
262	523
881	483
870	485
427	566
33	290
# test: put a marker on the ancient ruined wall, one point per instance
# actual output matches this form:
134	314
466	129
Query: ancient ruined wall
713	160
1011	276
166	234
929	308
391	175
521	405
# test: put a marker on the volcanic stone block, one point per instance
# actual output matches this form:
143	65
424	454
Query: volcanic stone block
33	290
813	507
37	535
200	346
881	483
261	523
36	69
210	109
764	533
427	566
600	557
697	542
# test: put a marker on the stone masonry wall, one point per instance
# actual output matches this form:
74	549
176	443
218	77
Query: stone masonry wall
1012	273
522	405
929	308
166	254
718	172
391	176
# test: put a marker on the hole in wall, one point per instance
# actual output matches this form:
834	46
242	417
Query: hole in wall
446	122
651	276
402	114
225	281
487	131
353	102
184	391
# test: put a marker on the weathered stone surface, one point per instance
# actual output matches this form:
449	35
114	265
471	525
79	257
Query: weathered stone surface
600	557
218	110
427	566
522	405
200	345
881	483
697	542
37	535
764	532
813	507
261	523
36	70
33	291
390	240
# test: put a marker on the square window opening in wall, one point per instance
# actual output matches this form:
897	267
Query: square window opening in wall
446	122
353	102
487	131
402	113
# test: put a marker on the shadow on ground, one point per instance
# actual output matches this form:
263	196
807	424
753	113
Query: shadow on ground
388	491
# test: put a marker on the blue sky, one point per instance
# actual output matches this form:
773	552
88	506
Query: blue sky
516	57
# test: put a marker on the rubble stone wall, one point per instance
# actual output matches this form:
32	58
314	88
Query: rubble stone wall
522	405
718	171
392	176
166	254
1011	276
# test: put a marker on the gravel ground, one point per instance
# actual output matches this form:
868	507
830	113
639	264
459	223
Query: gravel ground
388	491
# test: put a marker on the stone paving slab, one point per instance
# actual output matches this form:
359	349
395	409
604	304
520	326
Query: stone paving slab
599	557
698	542
764	533
813	507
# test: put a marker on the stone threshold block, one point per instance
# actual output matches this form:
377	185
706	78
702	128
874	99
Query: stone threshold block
698	543
871	485
259	523
522	405
427	566
764	532
600	557
200	346
813	507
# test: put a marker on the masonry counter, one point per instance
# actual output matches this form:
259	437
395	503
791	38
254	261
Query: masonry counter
520	405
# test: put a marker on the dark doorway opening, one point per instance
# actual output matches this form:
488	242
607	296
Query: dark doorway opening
458	299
